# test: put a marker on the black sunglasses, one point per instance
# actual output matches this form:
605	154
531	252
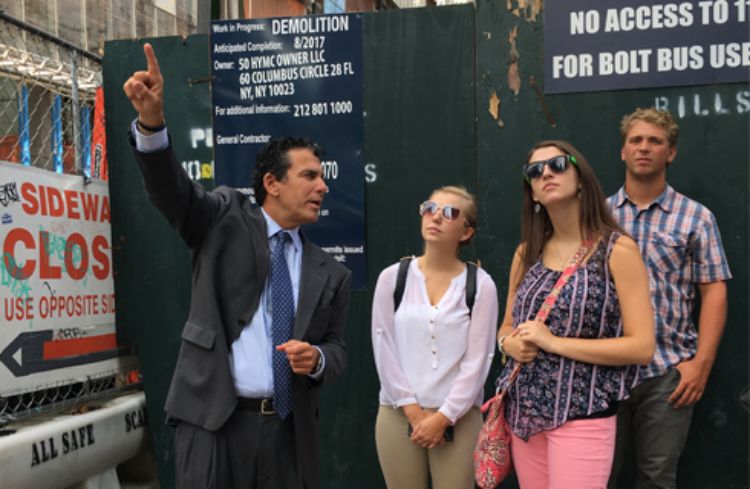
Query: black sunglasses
449	212
558	164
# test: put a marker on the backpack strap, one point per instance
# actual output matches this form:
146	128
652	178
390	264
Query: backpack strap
398	290
471	285
403	270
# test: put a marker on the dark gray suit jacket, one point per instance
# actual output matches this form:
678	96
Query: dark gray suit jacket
231	259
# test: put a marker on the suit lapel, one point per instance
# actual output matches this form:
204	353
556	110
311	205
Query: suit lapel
257	228
312	281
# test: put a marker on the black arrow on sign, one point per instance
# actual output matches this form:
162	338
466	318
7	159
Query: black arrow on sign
31	345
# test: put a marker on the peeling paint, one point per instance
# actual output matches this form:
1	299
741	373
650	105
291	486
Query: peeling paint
514	78
512	36
494	107
529	8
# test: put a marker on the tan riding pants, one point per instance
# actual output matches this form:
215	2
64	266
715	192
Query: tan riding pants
406	465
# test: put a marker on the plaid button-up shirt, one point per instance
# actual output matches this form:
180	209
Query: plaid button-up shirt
681	246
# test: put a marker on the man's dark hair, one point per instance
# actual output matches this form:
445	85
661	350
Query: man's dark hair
273	158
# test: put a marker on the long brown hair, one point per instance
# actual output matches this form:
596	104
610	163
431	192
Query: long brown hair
594	215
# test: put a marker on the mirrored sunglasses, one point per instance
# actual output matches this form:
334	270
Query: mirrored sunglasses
558	164
449	212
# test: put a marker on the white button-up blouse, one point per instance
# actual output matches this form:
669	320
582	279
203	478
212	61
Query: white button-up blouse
435	356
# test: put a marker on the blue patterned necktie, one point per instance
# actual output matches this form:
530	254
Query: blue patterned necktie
282	324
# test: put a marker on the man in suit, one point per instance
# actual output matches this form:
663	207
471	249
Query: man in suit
266	323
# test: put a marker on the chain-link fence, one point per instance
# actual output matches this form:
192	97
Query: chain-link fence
65	395
47	93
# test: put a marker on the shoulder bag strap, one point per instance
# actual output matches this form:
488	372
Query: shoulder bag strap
549	302
398	290
471	285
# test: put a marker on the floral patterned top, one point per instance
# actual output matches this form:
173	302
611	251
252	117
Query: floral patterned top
553	389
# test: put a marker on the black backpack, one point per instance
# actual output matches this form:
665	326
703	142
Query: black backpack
403	269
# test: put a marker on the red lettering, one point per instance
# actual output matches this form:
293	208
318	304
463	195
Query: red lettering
105	210
77	255
71	202
9	247
98	248
43	306
51	201
43	199
76	239
90	203
45	270
18	308
30	205
56	206
108	303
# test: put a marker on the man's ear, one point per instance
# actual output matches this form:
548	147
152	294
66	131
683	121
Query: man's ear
672	155
271	184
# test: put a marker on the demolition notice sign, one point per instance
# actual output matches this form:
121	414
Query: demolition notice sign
301	77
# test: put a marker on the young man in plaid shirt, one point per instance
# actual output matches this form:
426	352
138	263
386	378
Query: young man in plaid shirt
681	245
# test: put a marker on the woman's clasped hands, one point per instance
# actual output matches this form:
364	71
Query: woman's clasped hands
524	343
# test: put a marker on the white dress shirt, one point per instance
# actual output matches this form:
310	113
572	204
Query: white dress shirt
252	351
435	356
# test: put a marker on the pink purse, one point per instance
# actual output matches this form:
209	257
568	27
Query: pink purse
492	461
492	456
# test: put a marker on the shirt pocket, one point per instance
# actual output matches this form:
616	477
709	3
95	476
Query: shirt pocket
668	253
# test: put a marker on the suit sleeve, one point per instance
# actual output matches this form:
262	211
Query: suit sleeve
185	204
333	344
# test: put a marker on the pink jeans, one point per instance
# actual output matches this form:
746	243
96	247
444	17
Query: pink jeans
577	455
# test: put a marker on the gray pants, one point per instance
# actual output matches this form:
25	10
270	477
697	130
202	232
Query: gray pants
251	451
654	430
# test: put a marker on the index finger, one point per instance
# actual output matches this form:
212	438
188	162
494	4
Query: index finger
292	346
151	62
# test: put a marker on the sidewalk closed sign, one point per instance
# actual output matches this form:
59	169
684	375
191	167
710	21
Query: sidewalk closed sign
57	301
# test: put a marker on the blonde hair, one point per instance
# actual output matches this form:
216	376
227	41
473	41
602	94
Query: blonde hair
470	210
661	118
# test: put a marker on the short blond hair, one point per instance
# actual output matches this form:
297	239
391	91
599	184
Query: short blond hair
661	118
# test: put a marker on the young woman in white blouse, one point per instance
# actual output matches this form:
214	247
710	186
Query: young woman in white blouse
433	354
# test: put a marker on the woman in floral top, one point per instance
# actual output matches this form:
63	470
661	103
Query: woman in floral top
578	365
